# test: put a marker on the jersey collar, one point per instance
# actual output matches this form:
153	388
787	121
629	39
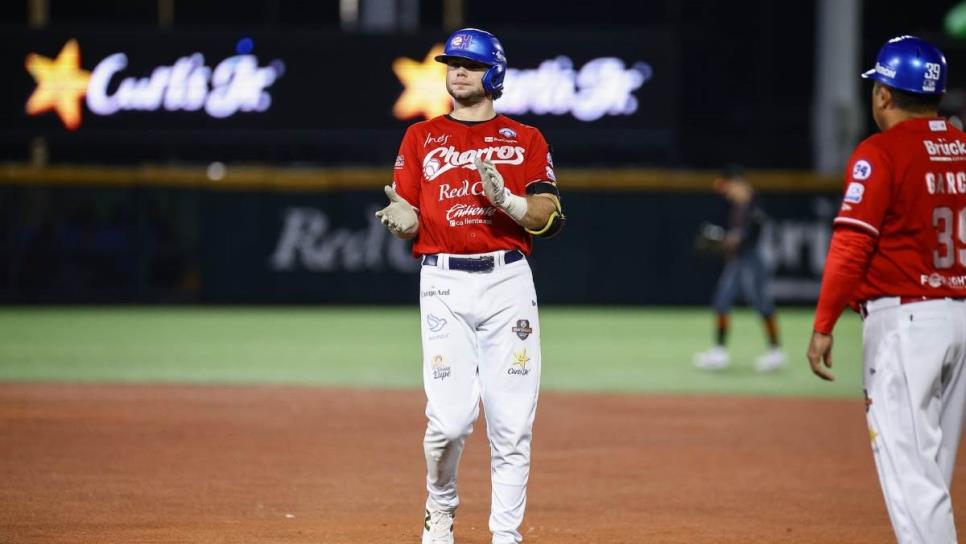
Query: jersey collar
471	123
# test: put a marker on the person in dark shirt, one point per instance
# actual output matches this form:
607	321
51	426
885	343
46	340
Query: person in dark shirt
744	271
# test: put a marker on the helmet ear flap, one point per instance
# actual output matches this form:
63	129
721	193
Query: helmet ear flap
493	80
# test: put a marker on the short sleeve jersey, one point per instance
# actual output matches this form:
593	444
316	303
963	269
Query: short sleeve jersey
907	187
434	172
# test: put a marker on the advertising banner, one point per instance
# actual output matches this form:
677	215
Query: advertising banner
120	96
140	244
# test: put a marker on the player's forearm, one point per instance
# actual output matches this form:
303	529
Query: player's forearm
539	209
848	257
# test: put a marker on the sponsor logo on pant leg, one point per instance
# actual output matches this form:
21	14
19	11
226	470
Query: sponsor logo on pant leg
441	370
520	361
522	329
434	292
436	324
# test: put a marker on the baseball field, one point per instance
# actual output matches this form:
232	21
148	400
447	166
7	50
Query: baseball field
304	424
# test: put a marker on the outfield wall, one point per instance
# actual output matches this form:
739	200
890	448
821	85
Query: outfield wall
254	235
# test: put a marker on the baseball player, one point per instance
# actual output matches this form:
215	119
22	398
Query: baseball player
744	270
898	256
473	187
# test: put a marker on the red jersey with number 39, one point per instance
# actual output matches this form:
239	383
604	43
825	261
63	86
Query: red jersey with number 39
907	187
435	173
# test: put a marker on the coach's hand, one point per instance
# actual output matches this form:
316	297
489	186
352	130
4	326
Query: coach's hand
399	216
820	355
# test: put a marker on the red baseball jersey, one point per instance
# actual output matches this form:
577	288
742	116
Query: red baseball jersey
435	173
907	187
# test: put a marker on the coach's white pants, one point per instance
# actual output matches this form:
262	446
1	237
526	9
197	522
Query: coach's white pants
481	340
913	366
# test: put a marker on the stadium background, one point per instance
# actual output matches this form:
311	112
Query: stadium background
177	267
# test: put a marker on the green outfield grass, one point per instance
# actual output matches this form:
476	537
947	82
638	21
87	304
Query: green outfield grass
584	349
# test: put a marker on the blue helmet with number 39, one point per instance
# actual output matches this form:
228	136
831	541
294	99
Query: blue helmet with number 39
910	64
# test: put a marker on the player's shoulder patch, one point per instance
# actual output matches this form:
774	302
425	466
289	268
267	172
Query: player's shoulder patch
854	193
861	170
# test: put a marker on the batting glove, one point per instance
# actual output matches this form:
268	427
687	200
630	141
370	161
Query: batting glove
399	216
497	193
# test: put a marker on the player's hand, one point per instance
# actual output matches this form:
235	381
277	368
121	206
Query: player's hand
493	186
820	355
399	216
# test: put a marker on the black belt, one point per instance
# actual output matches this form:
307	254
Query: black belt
485	263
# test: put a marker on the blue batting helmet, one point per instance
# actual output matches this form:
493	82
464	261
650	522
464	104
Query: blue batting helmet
910	64
482	47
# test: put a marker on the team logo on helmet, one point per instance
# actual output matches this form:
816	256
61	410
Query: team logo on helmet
508	133
461	41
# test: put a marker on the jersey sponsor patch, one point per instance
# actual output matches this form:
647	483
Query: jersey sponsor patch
942	150
442	139
861	170
508	133
459	215
854	193
400	162
550	174
937	125
936	280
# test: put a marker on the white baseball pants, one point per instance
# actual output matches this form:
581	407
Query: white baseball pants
481	340
913	374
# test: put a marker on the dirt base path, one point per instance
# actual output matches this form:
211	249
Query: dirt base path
165	464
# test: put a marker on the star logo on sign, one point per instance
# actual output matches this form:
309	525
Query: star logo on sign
61	84
425	86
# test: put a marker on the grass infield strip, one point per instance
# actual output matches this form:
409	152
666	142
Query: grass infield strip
635	350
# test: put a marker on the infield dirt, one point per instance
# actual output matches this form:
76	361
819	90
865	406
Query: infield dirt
167	464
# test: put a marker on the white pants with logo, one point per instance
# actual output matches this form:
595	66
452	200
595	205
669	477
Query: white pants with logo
913	374
481	340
